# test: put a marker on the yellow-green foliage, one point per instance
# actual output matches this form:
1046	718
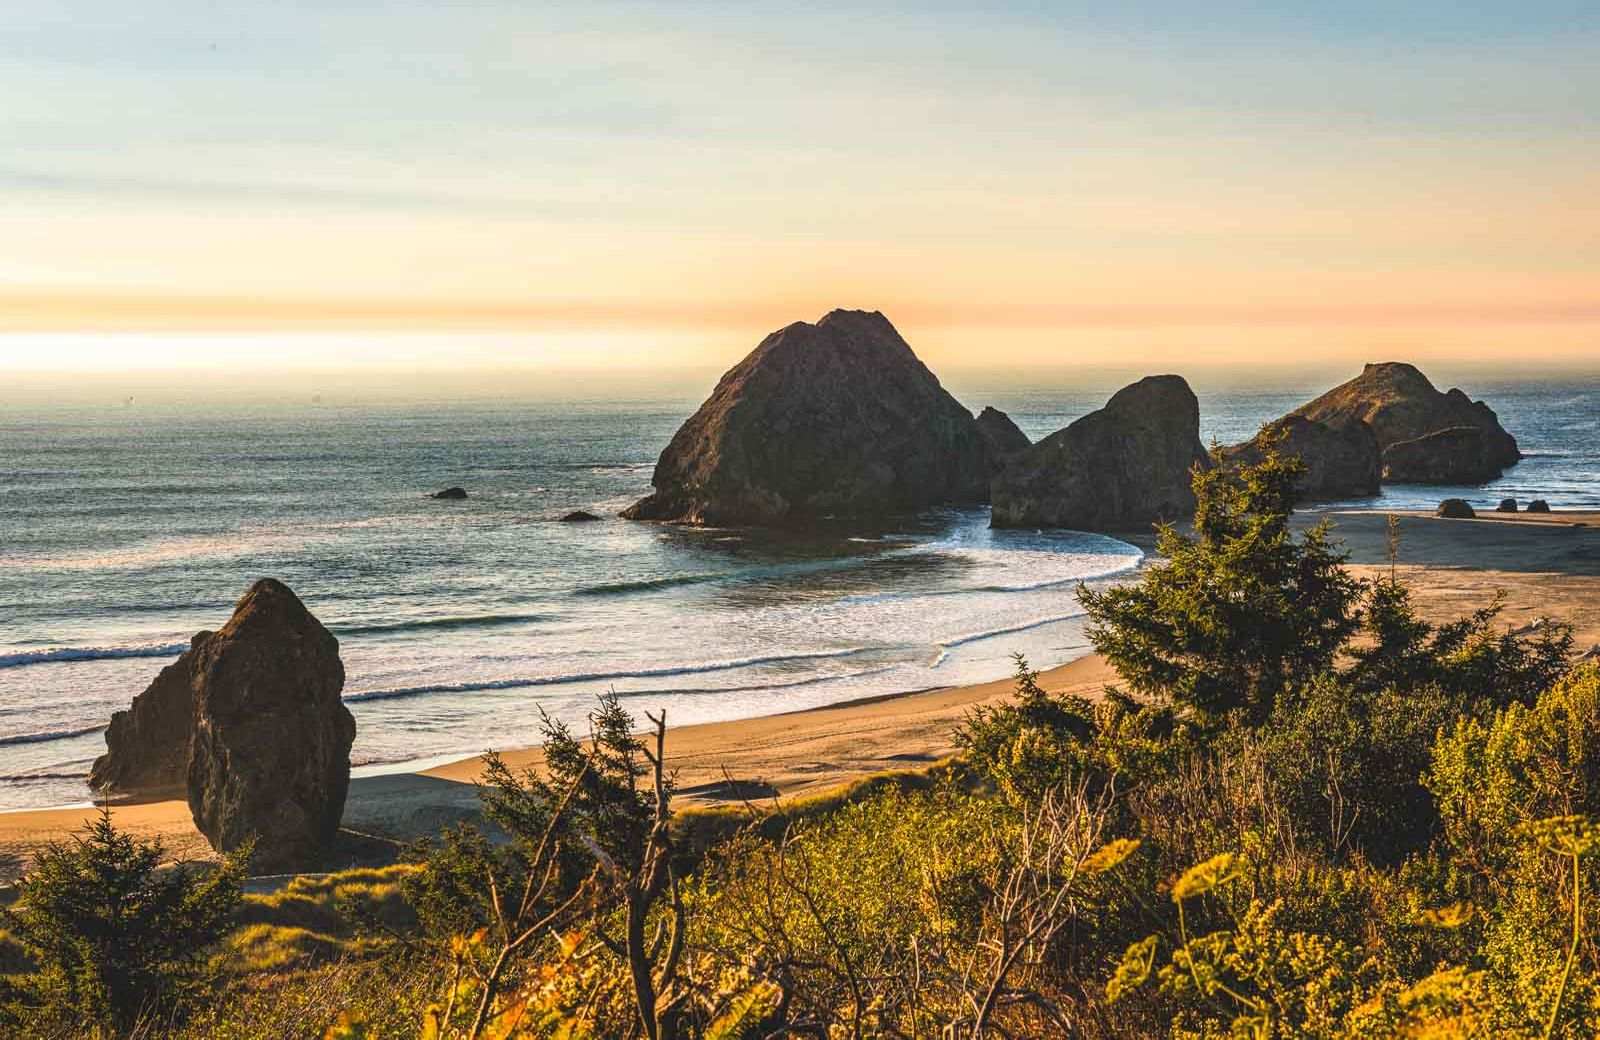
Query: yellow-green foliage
265	947
317	917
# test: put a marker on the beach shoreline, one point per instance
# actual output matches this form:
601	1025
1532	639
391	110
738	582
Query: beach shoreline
1544	565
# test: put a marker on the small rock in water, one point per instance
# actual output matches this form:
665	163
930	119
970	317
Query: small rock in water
454	492
1507	505
579	516
1538	505
1455	509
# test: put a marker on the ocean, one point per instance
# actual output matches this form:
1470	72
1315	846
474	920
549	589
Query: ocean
126	526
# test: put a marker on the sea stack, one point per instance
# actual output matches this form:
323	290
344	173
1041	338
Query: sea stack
1002	438
147	746
1118	469
269	754
1425	437
1341	455
836	418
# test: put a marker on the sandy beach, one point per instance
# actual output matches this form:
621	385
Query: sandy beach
1545	566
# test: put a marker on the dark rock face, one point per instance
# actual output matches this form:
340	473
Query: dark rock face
1002	439
452	493
147	746
1116	469
1455	509
833	418
1402	406
1341	456
270	753
1507	505
579	516
1538	505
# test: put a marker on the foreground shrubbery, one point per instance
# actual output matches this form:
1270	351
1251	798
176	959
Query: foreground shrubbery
1315	815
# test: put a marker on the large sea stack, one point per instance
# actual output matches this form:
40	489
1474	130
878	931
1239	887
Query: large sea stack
270	749
1002	438
1425	437
836	418
147	746
1341	455
1117	469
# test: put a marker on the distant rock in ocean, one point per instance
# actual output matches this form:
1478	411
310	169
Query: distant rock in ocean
1002	438
836	418
1341	455
579	516
1116	469
270	749
450	493
1425	437
147	746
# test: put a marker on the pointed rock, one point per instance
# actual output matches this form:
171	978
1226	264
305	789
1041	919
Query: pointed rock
1117	469
1002	438
147	746
839	417
270	751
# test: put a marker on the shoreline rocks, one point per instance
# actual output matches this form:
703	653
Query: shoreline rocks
1538	505
1120	468
1455	509
838	418
1425	436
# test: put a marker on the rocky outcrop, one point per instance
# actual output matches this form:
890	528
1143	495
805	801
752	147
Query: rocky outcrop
1421	432
1003	440
1341	455
1116	469
147	746
1538	505
1507	505
270	751
455	493
1455	509
579	516
839	417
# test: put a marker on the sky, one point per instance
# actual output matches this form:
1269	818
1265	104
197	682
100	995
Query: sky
437	185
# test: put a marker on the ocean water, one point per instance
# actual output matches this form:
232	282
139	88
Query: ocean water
124	529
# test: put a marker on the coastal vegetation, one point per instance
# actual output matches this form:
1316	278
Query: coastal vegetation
1310	812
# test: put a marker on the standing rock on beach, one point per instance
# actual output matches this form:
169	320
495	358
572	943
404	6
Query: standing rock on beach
270	752
1002	438
1426	437
147	746
1341	455
839	417
1116	469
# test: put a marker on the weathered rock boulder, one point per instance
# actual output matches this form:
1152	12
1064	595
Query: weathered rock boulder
839	417
579	516
1455	509
1341	455
1404	408
1116	469
270	752
1003	440
450	493
1538	505
147	746
1507	505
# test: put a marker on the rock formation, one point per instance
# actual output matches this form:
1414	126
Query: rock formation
270	751
1116	469
147	746
579	516
833	418
1002	438
1538	505
1455	509
450	493
1423	434
1341	455
1507	505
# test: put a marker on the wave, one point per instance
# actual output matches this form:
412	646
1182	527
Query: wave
420	624
579	677
623	588
88	653
48	735
33	778
950	644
